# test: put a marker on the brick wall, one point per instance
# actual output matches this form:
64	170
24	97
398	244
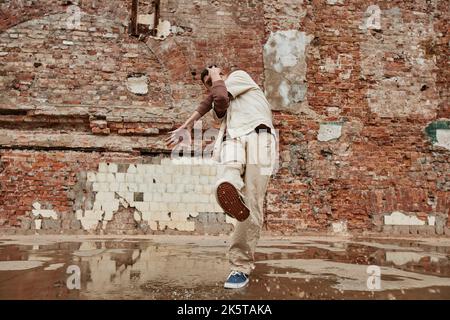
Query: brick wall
359	92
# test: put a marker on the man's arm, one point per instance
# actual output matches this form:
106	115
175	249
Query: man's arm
204	107
216	95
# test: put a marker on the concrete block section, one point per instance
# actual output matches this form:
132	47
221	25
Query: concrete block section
398	218
329	131
285	69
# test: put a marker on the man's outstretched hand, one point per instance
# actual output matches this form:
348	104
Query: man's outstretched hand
182	134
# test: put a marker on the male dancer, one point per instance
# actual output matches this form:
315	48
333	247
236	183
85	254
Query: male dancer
245	149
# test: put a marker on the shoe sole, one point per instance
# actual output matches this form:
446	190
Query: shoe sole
231	202
236	285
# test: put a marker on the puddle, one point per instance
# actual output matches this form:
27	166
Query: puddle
162	267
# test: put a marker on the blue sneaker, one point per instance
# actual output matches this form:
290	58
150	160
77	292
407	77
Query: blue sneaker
236	280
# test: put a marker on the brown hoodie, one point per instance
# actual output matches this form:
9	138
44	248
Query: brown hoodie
219	95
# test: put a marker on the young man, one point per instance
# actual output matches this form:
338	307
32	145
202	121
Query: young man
245	148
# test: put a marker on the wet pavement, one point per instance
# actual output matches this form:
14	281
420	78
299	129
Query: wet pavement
194	267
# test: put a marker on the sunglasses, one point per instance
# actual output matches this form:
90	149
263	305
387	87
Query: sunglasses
212	66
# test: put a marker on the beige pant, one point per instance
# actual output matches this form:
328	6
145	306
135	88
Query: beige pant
247	162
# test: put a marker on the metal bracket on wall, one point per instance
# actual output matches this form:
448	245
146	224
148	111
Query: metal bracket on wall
136	29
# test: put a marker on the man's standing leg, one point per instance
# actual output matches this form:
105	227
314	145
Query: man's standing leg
259	164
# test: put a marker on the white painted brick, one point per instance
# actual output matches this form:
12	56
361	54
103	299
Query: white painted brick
158	170
204	170
130	177
180	216
195	170
140	169
142	206
123	187
129	196
169	169
159	216
157	197
185	226
146	215
200	207
136	216
103	186
95	186
208	189
104	196
204	198
115	205
179	188
186	170
108	215
172	207
188	198
101	177
103	167
139	178
167	197
161	188
180	207
163	206
113	186
154	206
171	188
142	187
204	180
166	161
212	170
176	170
176	179
97	205
120	177
110	177
97	214
195	179
166	179
212	180
91	177
198	188
191	207
176	197
149	169
131	169
148	196
112	168
189	188
132	187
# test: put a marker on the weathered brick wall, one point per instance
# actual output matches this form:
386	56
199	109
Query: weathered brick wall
378	91
359	92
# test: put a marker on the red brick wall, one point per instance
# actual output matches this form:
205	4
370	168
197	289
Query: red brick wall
386	86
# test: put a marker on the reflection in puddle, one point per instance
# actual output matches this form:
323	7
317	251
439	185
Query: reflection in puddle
170	268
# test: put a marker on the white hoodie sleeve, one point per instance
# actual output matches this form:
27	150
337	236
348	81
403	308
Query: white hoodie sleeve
239	82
